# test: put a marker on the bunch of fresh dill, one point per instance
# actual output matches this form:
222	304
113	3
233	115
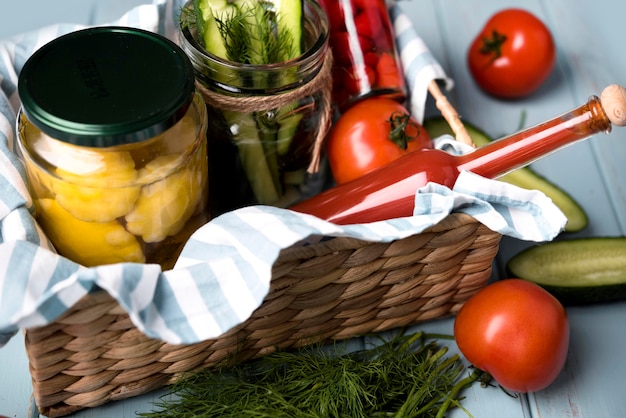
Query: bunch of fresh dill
405	376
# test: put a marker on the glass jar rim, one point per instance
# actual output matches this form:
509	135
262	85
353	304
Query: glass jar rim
106	86
309	61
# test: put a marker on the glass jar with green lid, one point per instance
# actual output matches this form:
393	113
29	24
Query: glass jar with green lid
112	133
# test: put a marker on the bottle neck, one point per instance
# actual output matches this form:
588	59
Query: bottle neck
507	154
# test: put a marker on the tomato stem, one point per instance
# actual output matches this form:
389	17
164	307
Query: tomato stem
493	45
398	134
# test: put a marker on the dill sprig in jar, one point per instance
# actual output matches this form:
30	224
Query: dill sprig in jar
112	133
264	69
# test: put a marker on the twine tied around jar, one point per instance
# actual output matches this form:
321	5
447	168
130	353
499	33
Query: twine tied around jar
322	82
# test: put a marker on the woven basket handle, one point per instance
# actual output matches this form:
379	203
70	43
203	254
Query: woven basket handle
450	114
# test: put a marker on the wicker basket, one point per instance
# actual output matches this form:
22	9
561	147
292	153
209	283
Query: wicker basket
335	289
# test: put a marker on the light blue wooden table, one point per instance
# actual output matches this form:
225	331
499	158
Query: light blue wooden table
591	55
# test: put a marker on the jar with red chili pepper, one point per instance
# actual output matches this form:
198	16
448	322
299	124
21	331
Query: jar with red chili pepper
366	62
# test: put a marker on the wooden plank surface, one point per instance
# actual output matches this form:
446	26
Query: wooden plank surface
589	41
23	16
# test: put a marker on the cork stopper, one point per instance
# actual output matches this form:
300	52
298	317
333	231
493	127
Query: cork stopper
613	99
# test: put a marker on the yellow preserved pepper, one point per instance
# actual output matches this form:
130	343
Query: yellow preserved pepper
111	180
164	206
92	243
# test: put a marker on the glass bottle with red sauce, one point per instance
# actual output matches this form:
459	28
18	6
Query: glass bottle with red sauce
366	62
389	192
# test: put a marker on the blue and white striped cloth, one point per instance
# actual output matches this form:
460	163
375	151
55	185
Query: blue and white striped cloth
224	271
420	67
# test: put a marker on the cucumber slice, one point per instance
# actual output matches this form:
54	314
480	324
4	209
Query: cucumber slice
577	271
206	12
290	18
524	177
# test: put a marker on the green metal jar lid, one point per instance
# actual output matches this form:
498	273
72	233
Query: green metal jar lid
106	86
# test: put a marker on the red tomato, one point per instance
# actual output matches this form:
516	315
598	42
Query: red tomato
371	59
513	54
515	331
358	81
370	134
336	13
343	44
369	22
388	71
358	5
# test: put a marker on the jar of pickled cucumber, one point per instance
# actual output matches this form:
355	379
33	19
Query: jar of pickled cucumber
113	137
265	74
